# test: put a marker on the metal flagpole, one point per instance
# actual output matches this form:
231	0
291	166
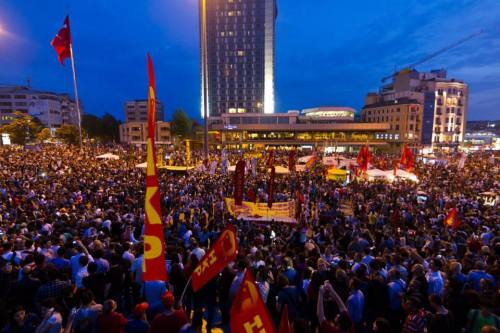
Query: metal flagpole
76	95
204	65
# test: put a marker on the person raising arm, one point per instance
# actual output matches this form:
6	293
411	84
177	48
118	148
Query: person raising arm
343	322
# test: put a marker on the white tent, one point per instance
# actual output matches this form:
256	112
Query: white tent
374	174
108	156
401	174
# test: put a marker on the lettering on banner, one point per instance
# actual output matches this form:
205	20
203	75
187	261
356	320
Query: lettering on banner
255	326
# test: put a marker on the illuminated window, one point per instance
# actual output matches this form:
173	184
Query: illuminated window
231	13
241	53
241	110
231	110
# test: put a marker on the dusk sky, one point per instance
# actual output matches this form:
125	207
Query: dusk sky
327	52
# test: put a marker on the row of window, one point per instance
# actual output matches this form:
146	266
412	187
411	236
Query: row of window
451	91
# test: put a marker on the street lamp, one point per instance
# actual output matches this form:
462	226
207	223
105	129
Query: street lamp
204	75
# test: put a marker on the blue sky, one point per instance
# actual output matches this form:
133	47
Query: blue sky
327	52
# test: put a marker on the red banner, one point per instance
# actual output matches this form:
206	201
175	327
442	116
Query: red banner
285	326
216	259
154	244
270	188
292	160
248	312
239	182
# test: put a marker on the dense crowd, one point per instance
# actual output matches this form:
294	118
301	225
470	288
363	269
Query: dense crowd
362	257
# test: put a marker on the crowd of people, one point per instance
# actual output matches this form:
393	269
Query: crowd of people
362	257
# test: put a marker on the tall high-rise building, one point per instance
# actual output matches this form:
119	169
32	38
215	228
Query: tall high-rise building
237	55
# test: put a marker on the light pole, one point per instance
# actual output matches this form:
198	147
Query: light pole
204	75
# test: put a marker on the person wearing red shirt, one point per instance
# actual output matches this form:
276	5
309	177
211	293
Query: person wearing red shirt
111	321
343	322
171	318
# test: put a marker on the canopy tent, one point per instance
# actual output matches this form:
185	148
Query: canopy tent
302	163
108	156
336	174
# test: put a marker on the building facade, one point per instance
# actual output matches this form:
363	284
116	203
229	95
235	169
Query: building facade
137	132
137	111
444	104
237	55
250	130
404	117
52	109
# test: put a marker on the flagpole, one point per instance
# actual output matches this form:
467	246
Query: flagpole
76	95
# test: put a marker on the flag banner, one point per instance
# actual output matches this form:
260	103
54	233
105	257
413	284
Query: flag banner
311	161
222	252
248	311
292	160
270	158
407	158
461	162
239	182
253	164
154	243
213	166
452	220
285	326
250	211
188	152
62	42
251	195
329	160
363	158
270	188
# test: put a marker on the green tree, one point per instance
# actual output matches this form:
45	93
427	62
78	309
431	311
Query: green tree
44	135
68	134
23	129
181	124
104	129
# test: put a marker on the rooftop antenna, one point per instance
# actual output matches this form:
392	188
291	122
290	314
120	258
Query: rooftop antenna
28	82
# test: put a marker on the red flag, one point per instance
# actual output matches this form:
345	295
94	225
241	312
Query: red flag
217	258
154	243
248	311
285	326
310	162
407	158
292	156
62	42
363	158
239	182
270	158
270	188
251	195
452	220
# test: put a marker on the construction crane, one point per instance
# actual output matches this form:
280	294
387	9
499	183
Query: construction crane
435	54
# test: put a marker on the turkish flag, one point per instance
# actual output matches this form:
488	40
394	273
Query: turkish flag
270	159
216	259
62	42
285	326
248	312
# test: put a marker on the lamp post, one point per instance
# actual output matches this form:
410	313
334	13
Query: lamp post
204	70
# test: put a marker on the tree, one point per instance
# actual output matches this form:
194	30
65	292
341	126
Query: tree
104	129
23	129
181	124
68	133
44	135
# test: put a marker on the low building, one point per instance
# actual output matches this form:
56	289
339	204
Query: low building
52	109
137	111
404	117
294	129
137	132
